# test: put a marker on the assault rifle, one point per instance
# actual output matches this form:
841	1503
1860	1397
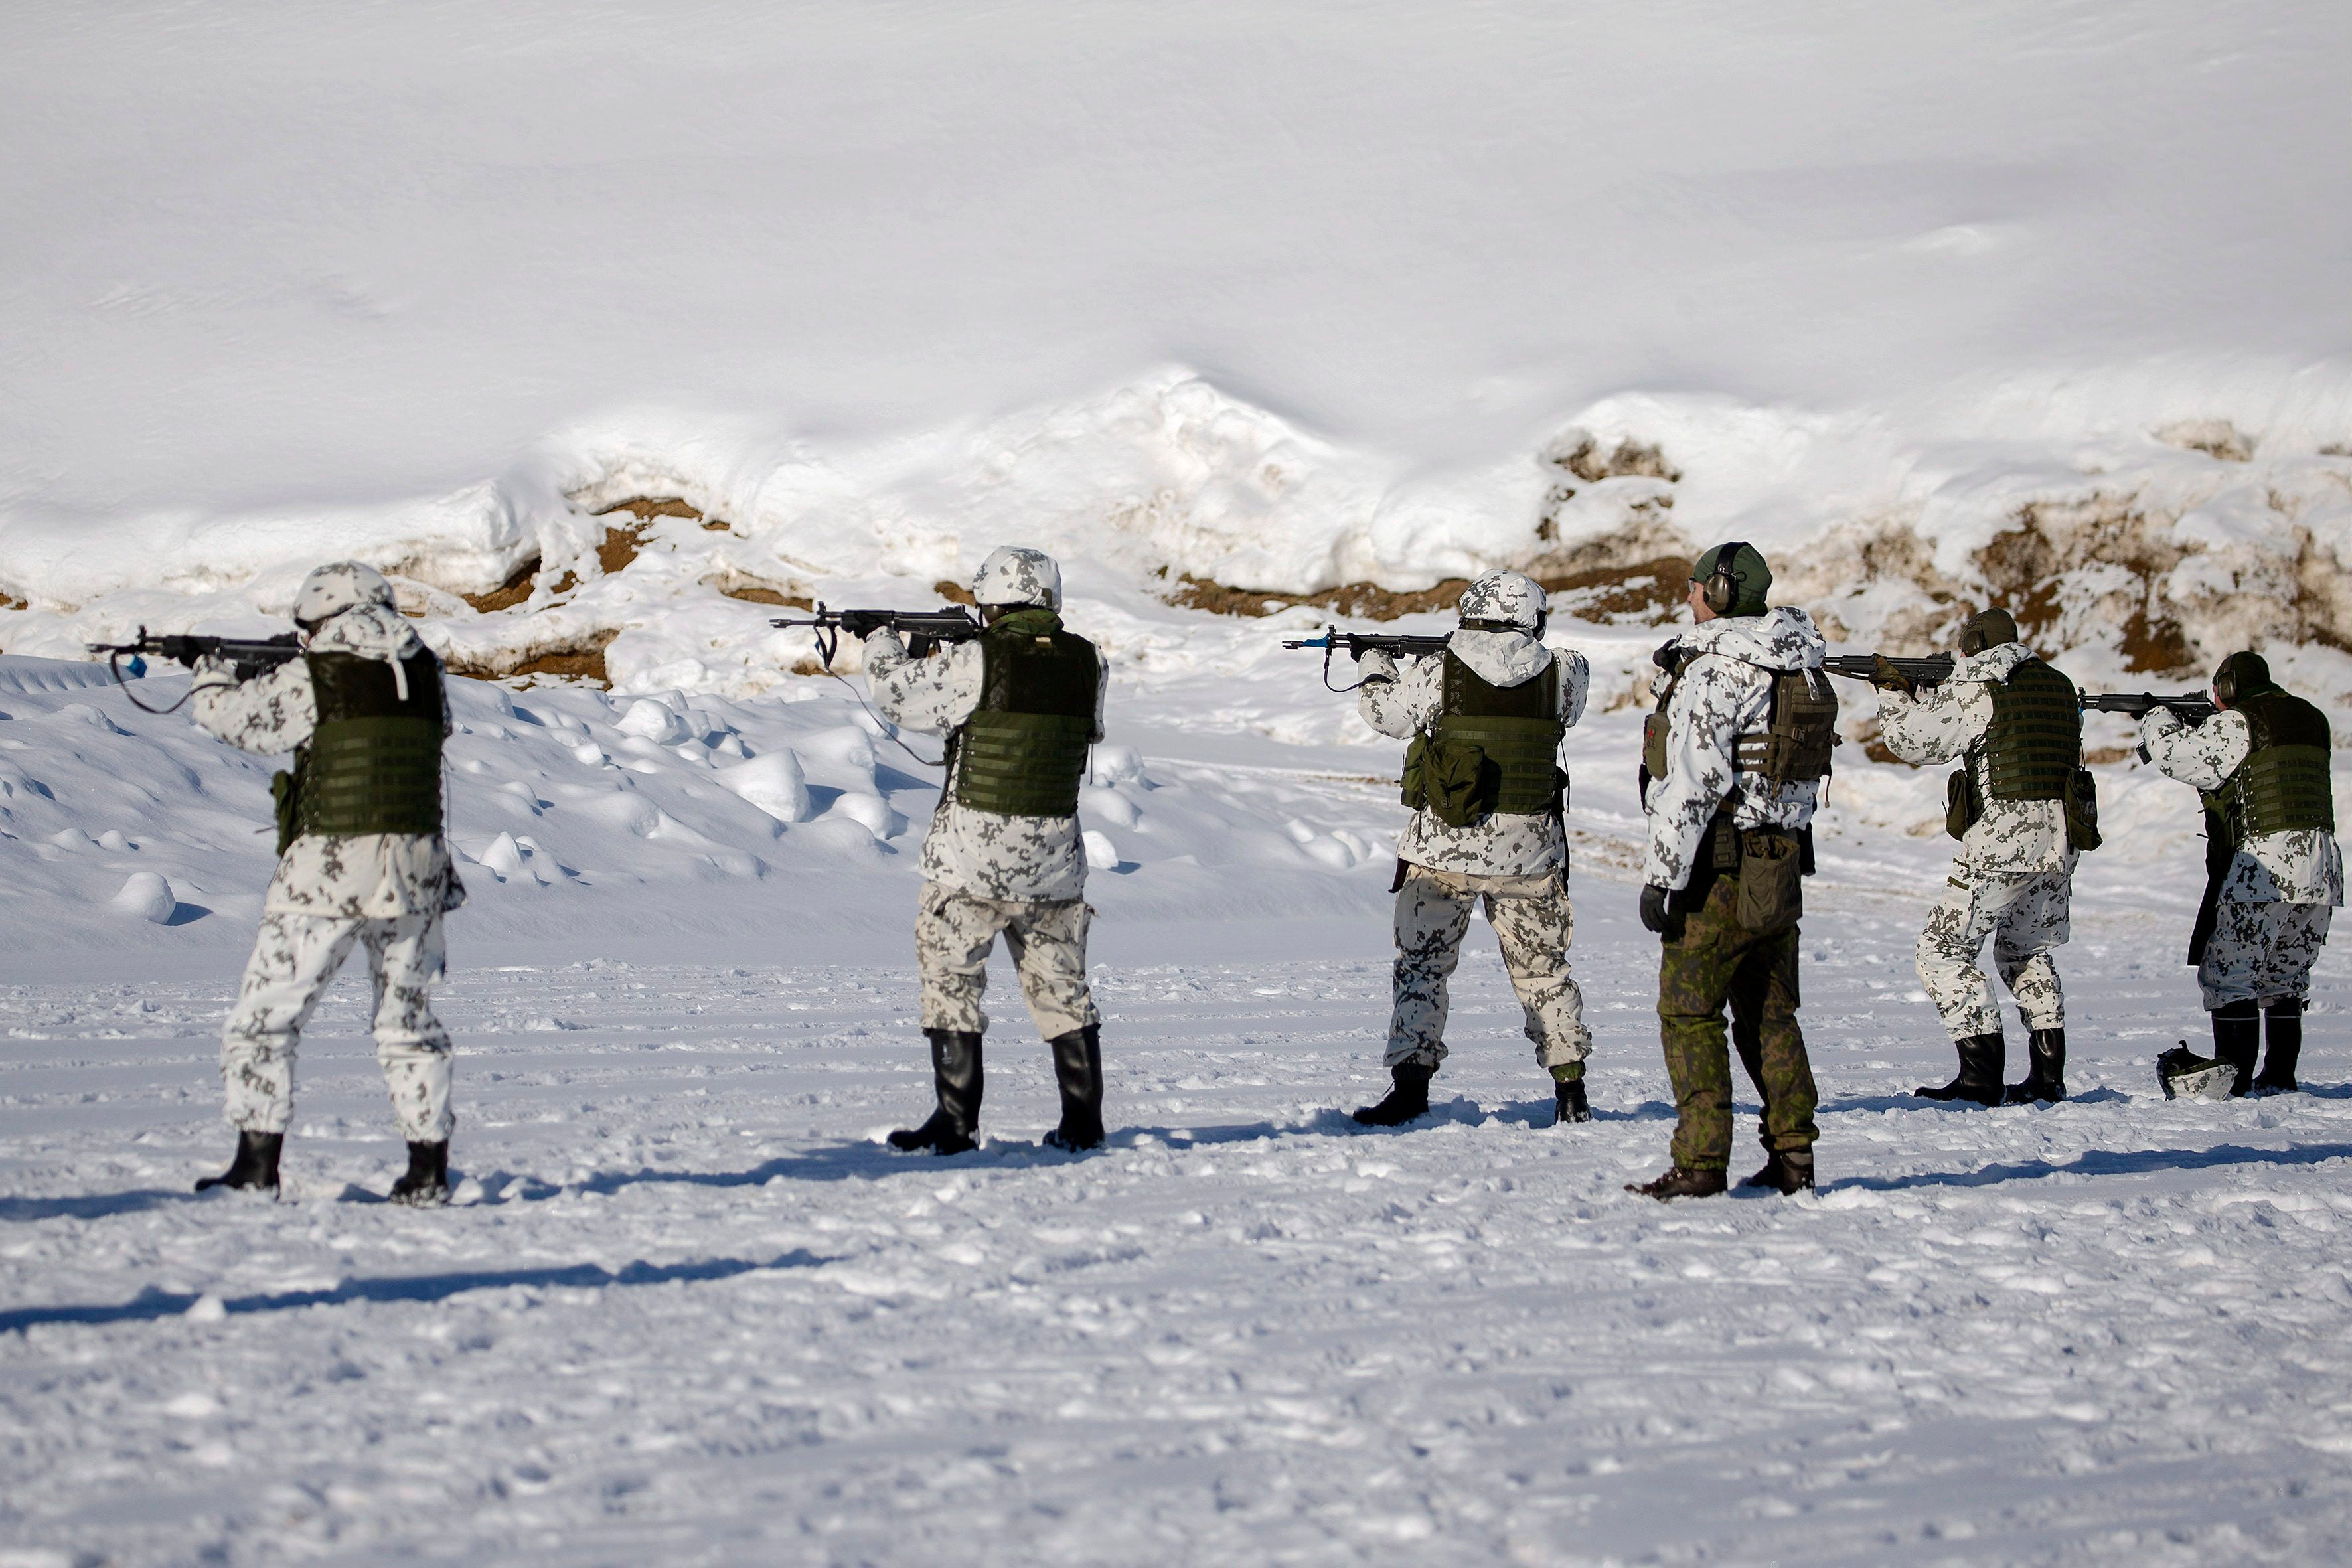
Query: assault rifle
1358	644
1933	670
924	629
2192	707
248	656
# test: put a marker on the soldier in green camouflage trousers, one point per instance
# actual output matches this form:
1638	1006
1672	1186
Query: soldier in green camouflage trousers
1715	961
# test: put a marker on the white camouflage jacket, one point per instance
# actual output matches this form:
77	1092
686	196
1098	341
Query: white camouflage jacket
984	853
1405	704
2304	867
2013	837
364	875
1725	691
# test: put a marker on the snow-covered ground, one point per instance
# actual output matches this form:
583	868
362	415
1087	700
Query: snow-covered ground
687	1310
1939	305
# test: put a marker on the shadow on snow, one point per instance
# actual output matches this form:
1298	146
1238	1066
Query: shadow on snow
151	1303
2104	1162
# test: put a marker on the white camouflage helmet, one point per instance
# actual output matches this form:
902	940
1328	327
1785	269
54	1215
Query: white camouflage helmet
337	586
1510	598
1015	574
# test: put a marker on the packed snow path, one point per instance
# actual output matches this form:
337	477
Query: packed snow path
688	1311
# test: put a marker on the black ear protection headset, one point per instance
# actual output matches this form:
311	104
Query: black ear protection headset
2225	684
1721	589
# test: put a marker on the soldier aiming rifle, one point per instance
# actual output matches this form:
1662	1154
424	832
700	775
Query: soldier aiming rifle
2021	805
2263	764
362	859
1485	708
1020	701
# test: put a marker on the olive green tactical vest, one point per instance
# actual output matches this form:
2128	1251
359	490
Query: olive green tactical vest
1516	727
373	762
2035	742
1023	752
1794	745
2285	784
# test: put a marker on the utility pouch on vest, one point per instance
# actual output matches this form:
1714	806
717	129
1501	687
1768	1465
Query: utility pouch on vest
1795	746
1458	784
286	793
1653	744
1961	806
2082	810
1771	882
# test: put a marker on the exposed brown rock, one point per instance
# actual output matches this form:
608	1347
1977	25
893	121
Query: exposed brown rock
2214	437
644	509
1628	460
583	660
509	593
761	594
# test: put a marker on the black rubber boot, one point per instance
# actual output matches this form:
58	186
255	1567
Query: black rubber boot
1980	1075
2045	1073
254	1166
426	1185
1568	1102
1677	1183
2238	1041
2283	1022
1408	1099
956	1076
1785	1174
1078	1069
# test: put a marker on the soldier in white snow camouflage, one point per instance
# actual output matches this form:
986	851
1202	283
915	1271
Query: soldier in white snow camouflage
363	864
1732	760
1020	705
1499	691
2274	872
2003	715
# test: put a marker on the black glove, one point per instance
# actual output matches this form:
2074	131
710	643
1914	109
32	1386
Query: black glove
863	623
180	649
1653	912
1667	655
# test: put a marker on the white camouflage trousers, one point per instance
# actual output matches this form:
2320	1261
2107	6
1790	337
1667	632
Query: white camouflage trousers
2261	952
2025	917
1533	924
1048	938
294	959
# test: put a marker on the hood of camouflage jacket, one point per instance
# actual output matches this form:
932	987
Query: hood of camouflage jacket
1501	659
1782	638
371	631
1993	664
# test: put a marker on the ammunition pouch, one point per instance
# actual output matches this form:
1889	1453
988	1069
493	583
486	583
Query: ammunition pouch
1962	805
1771	881
1454	781
2083	811
286	796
